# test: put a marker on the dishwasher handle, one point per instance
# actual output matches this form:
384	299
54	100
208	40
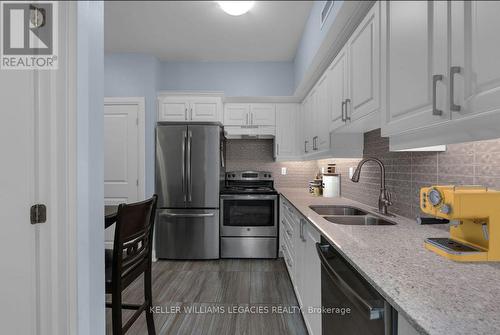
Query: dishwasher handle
374	308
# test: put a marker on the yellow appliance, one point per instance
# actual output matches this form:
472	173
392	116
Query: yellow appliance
474	214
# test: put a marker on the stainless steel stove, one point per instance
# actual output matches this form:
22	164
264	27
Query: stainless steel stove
249	215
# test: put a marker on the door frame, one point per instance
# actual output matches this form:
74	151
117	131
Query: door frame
141	117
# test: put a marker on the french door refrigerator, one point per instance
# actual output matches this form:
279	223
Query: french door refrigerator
189	173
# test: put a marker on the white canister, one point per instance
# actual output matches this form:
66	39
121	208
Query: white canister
331	185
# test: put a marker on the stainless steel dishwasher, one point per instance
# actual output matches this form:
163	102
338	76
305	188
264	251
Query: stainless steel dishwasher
350	304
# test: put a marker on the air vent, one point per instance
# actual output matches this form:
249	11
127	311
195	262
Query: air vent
327	8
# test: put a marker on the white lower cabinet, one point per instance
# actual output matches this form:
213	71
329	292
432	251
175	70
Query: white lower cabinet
298	244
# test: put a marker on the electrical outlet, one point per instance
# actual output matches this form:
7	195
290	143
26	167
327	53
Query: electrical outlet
283	171
351	172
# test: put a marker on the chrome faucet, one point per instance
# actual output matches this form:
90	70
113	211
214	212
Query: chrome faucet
384	199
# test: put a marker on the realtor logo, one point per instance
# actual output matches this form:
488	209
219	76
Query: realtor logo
28	35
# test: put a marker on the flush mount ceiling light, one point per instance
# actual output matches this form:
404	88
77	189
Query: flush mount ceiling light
236	8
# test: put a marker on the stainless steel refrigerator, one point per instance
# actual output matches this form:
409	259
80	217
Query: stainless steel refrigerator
189	173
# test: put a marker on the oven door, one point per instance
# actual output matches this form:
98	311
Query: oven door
249	215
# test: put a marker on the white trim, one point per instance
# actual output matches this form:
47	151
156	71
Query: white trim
140	102
191	93
266	99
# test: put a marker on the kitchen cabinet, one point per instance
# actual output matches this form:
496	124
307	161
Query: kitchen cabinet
189	108
286	140
321	133
414	67
454	64
338	89
236	114
262	114
364	68
306	121
256	114
299	251
475	58
354	79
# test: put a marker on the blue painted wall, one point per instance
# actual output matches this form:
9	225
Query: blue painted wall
129	74
234	78
312	37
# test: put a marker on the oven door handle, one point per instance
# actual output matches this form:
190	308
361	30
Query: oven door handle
374	309
248	197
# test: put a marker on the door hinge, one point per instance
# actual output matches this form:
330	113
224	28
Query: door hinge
38	213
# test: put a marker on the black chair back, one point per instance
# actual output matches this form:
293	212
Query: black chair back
133	242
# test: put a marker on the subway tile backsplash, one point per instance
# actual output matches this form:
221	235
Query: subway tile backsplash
258	155
406	172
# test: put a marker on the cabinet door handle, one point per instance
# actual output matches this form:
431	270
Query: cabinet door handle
277	149
251	117
315	143
185	113
305	146
435	79
342	109
347	117
248	118
453	71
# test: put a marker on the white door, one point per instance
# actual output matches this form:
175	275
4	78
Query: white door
364	67
173	109
337	89
236	114
19	183
286	130
205	109
263	114
121	154
476	52
414	52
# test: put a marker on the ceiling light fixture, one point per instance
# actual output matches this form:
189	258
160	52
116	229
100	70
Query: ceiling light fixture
236	8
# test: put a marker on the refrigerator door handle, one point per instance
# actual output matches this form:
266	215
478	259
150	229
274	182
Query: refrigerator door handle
184	136
189	176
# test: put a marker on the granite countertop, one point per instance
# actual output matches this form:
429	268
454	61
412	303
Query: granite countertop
436	295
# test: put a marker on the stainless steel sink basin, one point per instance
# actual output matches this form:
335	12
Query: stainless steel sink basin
337	210
363	220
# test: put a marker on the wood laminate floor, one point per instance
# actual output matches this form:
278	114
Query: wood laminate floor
248	297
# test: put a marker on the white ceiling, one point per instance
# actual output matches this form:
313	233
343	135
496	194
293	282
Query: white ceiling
201	31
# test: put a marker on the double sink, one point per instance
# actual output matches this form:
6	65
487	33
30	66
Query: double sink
347	215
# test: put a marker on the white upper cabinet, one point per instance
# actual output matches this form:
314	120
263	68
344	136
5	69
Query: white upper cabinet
475	58
321	133
414	67
337	89
286	131
173	109
189	108
236	114
244	114
364	67
262	114
206	109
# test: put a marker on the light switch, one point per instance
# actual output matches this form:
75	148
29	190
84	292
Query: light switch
351	172
283	170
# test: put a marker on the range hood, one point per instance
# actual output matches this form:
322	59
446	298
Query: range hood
249	132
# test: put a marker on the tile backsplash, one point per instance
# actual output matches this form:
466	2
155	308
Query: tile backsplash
258	155
469	163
